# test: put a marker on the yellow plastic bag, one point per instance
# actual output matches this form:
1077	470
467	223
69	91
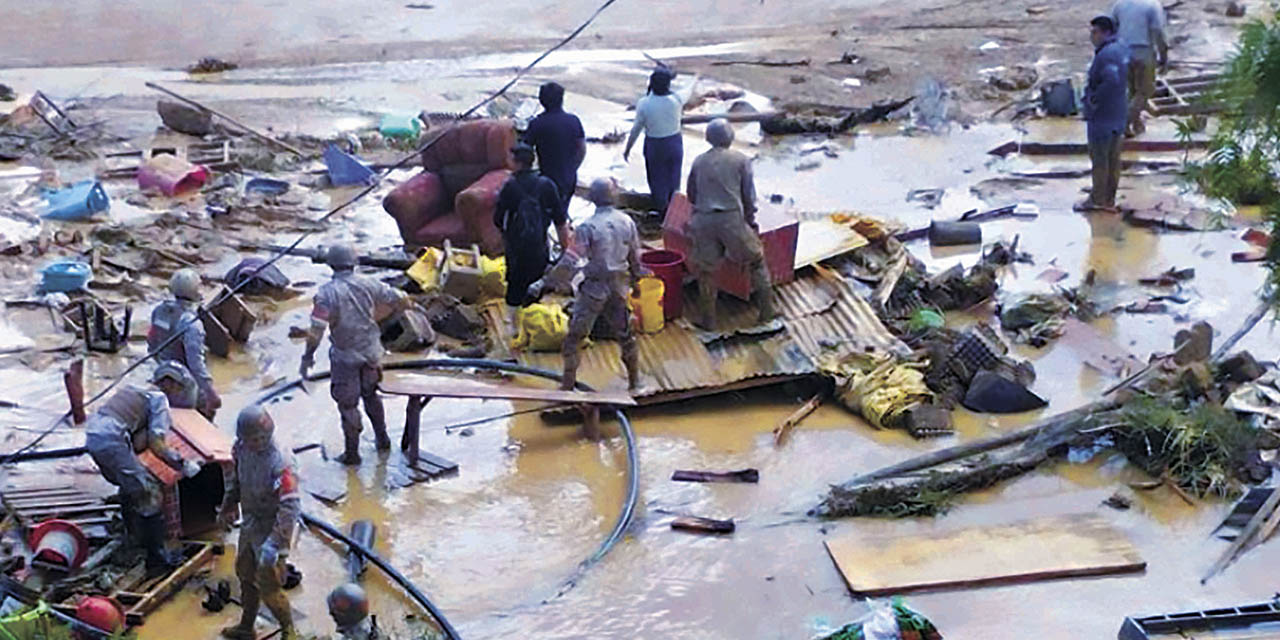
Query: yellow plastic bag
426	269
882	391
542	327
493	277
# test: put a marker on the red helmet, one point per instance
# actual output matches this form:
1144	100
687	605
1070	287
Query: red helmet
100	612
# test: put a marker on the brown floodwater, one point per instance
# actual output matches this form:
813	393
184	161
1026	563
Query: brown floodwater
531	501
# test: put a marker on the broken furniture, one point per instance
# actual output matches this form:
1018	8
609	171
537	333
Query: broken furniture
1204	620
229	321
97	326
140	595
461	272
214	155
779	232
51	114
455	196
1042	549
190	505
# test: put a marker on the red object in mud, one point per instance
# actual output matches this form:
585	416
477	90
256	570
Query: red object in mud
668	266
171	175
101	613
779	233
59	542
455	196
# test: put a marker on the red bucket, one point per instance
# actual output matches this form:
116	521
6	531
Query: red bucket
668	266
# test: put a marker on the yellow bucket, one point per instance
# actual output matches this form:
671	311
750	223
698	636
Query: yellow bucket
648	307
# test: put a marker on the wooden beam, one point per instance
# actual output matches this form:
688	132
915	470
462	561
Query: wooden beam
780	432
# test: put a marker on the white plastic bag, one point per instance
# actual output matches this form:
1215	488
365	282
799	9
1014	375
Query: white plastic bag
880	623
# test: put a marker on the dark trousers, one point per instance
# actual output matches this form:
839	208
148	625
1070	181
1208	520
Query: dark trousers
1104	151
663	159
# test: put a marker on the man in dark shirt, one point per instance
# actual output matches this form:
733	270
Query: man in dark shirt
559	140
527	205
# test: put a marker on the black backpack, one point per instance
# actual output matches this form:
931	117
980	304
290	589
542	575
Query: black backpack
526	225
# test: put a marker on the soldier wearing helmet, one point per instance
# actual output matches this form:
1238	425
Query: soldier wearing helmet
181	315
349	608
264	485
133	420
350	307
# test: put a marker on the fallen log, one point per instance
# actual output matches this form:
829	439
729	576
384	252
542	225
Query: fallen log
784	124
703	118
780	432
702	525
741	475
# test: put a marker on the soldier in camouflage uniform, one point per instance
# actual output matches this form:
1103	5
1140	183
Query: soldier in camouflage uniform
350	306
182	314
132	421
264	484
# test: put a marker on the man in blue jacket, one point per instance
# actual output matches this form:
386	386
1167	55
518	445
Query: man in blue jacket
1105	112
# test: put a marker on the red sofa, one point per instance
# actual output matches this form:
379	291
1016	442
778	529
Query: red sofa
455	195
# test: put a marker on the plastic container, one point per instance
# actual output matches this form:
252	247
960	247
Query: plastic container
171	175
59	542
64	275
668	266
346	169
77	202
648	308
400	125
948	234
266	186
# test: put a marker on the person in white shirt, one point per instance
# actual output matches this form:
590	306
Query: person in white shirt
1140	24
658	115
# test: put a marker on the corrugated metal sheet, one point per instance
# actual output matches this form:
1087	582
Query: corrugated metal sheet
823	316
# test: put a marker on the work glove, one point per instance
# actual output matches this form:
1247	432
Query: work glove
534	291
190	468
268	553
212	401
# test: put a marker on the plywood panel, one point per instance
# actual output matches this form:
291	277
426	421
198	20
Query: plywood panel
1042	549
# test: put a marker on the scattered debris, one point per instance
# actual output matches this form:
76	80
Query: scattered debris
1235	9
887	621
786	124
7	94
184	118
419	6
804	62
1118	501
990	392
1019	78
212	65
943	233
1170	278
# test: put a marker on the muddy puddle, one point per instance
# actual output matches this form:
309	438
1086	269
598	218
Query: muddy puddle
531	501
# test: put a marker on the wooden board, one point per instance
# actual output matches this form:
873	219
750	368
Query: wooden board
1042	549
449	387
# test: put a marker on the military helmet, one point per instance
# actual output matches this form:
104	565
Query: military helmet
348	604
185	284
254	420
341	256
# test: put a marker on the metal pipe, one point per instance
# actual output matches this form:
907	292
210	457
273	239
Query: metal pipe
377	560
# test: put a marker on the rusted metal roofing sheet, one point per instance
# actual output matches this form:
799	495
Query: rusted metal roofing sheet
823	317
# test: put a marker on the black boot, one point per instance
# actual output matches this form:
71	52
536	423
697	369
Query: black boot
159	561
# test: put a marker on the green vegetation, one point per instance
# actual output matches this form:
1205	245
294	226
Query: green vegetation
1200	446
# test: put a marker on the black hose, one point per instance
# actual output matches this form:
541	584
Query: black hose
377	560
48	454
633	463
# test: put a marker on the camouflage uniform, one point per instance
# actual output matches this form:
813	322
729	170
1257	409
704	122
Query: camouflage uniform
265	485
609	242
170	316
349	306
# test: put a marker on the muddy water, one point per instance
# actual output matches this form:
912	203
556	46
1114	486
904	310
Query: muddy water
531	501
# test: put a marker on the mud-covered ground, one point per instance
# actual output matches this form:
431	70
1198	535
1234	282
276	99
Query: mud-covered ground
531	502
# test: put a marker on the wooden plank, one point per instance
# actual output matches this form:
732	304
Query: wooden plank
408	384
207	439
1245	536
47	513
170	585
742	475
1042	549
443	464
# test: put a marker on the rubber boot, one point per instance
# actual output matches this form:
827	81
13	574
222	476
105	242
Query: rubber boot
350	436
248	617
378	419
569	380
762	293
152	530
278	603
631	360
707	303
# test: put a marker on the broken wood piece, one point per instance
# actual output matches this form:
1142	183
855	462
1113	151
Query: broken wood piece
1246	534
257	134
73	380
1035	550
742	475
702	525
410	384
1080	148
1252	254
1268	528
780	432
1173	486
